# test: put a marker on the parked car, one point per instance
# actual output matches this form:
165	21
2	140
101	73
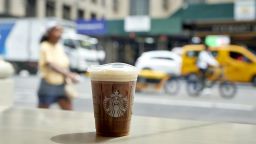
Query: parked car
162	60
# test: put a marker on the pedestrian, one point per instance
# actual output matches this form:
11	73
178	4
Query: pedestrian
53	67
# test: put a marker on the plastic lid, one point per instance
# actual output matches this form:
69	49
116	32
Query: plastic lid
113	72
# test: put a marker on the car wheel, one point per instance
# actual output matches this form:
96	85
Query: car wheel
194	88
172	86
227	90
192	77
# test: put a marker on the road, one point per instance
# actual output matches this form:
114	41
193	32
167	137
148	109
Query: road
209	106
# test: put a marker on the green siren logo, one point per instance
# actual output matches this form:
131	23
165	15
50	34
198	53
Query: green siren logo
116	105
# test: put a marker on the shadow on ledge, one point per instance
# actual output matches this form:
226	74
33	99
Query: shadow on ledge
79	138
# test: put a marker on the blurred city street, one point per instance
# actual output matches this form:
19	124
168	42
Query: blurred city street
241	109
194	61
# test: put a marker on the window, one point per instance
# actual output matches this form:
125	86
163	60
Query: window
103	3
147	80
69	43
215	53
115	6
139	7
239	57
31	8
66	13
192	54
50	8
7	6
93	15
85	44
80	14
166	4
163	58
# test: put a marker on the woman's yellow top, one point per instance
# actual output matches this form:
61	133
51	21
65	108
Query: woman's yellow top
52	53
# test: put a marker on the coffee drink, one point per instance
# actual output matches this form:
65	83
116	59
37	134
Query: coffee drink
113	88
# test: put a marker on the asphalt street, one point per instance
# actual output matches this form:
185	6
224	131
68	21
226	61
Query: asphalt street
209	106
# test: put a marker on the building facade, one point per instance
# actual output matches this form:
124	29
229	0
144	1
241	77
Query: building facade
63	9
88	9
94	9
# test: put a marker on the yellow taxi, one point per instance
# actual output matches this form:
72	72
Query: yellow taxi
239	63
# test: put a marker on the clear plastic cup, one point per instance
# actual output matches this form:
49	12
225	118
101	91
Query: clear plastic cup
113	89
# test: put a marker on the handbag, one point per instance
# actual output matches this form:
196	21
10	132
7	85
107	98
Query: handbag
70	90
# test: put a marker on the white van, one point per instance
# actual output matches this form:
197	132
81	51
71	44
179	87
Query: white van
82	51
19	44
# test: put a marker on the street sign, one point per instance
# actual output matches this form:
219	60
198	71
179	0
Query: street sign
91	27
245	10
137	24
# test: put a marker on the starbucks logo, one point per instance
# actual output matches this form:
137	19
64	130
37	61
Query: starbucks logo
115	105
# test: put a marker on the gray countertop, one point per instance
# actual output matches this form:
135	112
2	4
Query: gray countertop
37	126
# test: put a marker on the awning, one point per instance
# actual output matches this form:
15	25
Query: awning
192	12
173	24
115	28
167	26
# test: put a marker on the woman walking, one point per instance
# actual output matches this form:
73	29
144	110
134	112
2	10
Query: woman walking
53	66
